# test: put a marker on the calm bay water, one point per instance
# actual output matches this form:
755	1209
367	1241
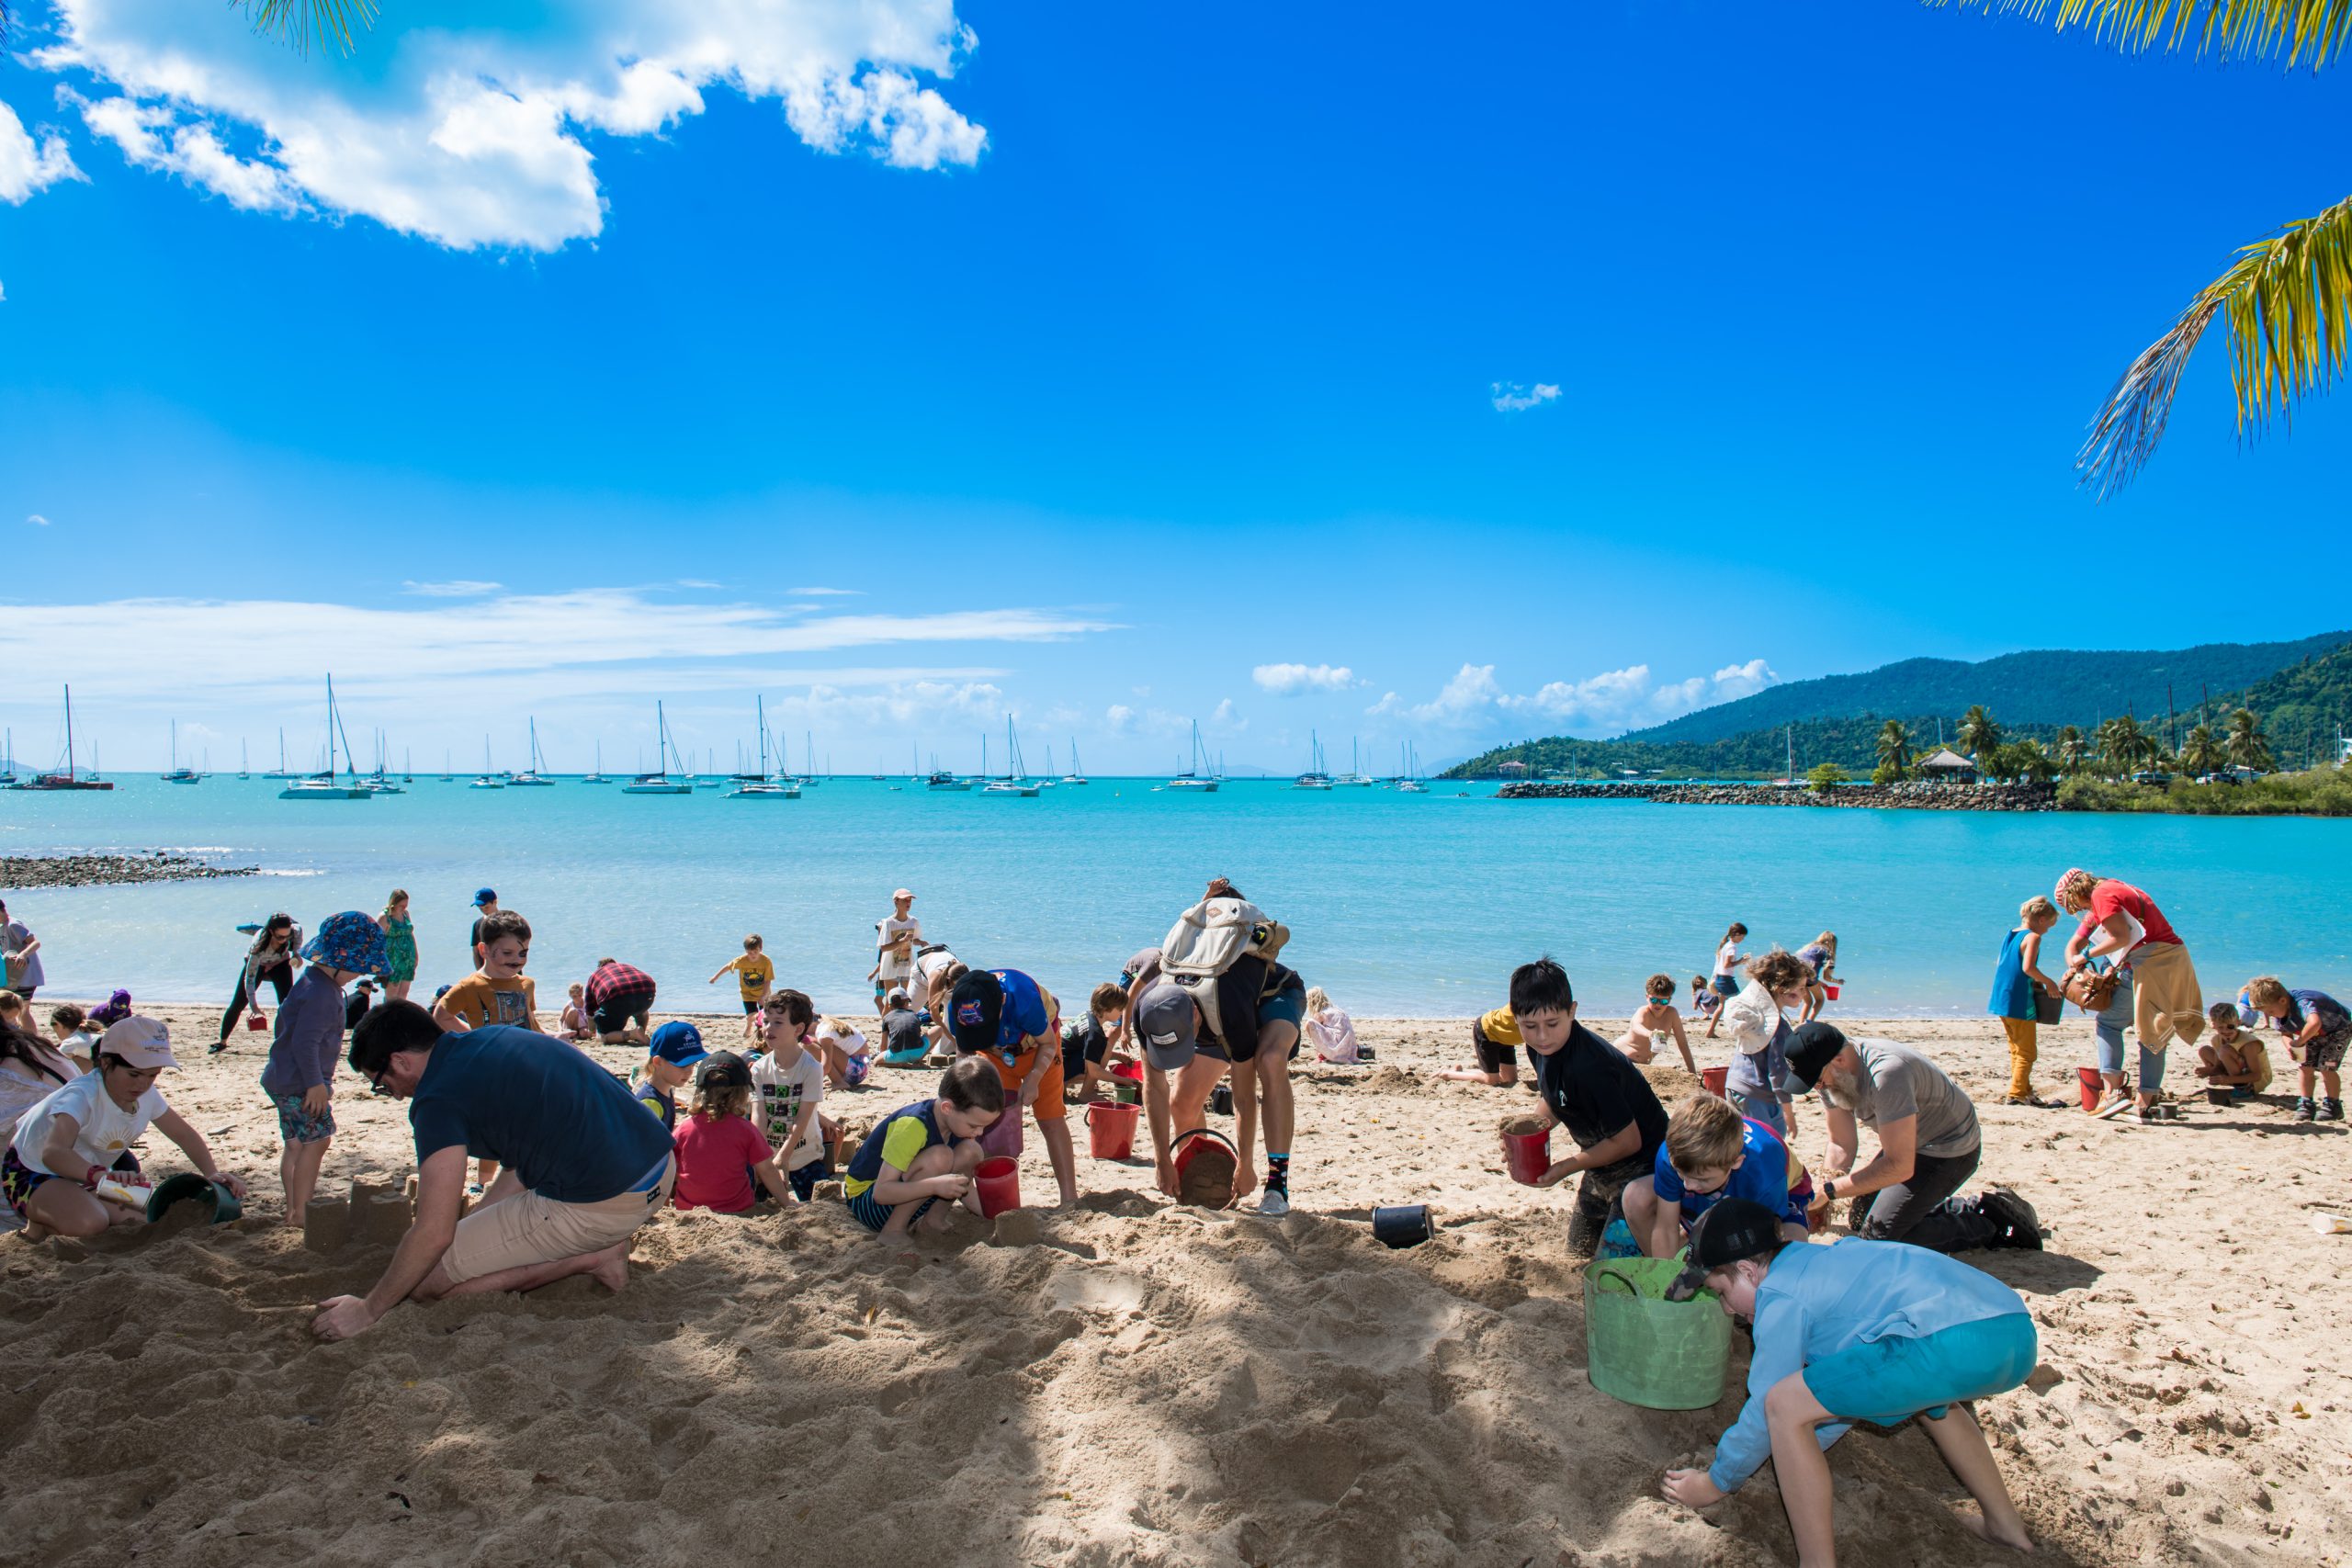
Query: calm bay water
1399	904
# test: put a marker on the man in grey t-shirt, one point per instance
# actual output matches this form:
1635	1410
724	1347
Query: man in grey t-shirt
23	950
1927	1145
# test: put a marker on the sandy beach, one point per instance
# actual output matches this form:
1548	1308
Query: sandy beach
1134	1383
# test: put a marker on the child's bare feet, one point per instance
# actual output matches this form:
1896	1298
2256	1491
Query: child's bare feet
1976	1524
937	1220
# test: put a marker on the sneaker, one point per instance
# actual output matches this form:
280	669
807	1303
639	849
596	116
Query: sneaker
2331	1111
2305	1110
1274	1201
2020	1226
2116	1100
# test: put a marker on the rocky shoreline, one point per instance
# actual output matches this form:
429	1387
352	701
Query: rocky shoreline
100	871
1902	796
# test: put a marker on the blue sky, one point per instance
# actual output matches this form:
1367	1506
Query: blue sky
1121	365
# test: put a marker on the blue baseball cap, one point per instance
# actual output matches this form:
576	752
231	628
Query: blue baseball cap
350	941
485	895
678	1043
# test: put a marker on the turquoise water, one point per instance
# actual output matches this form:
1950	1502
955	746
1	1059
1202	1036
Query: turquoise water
1400	904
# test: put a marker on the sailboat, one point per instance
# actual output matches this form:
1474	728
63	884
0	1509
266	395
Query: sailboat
809	765
598	777
447	776
281	771
1315	777
244	769
659	782
1190	780
8	762
322	787
941	778
1409	780
1355	777
379	782
535	776
1016	783
69	779
761	786
179	775
488	780
1047	780
1076	774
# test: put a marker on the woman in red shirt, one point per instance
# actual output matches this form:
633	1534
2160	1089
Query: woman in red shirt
2122	925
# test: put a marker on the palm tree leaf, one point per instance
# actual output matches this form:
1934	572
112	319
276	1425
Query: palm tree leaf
300	21
2286	304
2286	30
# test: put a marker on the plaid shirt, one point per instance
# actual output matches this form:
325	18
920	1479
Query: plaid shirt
617	982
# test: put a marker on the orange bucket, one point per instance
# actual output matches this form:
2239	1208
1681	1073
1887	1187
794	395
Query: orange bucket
1715	1079
1110	1129
998	1180
1527	1150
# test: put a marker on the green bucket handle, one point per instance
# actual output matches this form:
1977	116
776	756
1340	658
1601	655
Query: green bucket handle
1610	1271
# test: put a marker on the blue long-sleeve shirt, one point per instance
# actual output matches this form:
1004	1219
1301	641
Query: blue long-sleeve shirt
308	1042
1817	1301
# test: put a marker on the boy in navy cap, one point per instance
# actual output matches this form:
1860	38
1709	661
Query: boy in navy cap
485	906
1875	1331
674	1049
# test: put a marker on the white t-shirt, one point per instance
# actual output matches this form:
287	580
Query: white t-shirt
893	966
781	1093
929	967
1725	956
107	1128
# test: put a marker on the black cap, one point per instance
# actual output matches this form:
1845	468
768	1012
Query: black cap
722	1069
973	1009
1812	1047
1732	1230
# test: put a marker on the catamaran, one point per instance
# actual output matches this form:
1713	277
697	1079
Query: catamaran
1315	777
535	776
380	781
1016	783
322	787
488	780
69	779
761	785
659	782
1190	779
1409	780
1355	777
179	775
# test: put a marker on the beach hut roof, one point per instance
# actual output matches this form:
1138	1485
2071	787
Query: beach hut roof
1949	760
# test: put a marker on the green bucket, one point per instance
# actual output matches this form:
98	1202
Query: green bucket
1646	1350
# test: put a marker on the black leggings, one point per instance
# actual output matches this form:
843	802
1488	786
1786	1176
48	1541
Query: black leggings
281	974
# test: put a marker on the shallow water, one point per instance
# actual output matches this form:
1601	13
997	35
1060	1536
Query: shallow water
1398	904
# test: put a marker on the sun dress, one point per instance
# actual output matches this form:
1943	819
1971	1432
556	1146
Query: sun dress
399	949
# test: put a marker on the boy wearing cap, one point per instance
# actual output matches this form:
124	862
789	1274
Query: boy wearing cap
789	1084
669	1068
894	948
755	972
1857	1331
299	1072
63	1147
1017	1022
485	906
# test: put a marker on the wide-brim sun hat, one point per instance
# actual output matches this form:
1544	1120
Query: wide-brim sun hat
351	942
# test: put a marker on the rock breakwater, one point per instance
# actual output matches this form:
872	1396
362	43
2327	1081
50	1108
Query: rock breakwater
99	871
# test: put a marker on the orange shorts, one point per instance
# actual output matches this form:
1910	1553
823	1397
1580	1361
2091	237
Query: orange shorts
1050	1105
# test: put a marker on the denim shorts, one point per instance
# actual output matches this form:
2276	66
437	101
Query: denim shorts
296	1125
1885	1382
1764	1108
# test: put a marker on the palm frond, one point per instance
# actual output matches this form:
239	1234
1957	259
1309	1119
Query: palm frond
2285	304
300	21
2286	30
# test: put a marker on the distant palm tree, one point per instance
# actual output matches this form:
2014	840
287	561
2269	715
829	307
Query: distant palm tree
2247	749
1895	745
1978	732
2124	745
2032	763
2201	753
2284	303
2074	751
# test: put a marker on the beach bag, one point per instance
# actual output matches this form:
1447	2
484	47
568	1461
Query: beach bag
2092	990
1209	938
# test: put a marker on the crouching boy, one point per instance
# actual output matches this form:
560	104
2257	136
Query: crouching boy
1712	1152
925	1152
1875	1331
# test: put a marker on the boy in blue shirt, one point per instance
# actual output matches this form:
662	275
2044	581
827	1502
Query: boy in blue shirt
671	1057
1875	1331
300	1076
1711	1153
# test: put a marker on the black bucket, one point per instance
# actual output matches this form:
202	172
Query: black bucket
1364	1052
1407	1226
1221	1099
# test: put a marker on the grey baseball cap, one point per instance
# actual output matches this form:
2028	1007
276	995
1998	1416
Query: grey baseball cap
1165	1023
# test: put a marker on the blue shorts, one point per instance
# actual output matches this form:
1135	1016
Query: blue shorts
1887	1381
804	1181
296	1126
874	1215
1725	986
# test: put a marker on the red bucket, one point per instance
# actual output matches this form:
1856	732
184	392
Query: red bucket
1110	1129
999	1182
1715	1079
1527	1154
2093	1087
1830	990
1197	1145
1132	1071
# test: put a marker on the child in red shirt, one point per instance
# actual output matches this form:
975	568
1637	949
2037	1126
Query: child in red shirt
720	1153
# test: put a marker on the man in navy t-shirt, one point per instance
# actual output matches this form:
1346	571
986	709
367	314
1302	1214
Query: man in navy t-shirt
584	1165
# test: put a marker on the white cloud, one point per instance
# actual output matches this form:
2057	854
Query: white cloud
1608	702
1118	718
1289	680
1509	397
823	592
37	520
1224	718
461	588
27	166
472	134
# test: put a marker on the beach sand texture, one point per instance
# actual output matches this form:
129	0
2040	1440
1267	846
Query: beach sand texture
1131	1383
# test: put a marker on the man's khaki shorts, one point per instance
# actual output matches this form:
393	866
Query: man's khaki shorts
527	1228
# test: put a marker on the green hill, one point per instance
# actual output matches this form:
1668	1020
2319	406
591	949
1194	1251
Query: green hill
2303	707
2043	686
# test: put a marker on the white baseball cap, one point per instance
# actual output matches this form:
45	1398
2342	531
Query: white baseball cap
141	1041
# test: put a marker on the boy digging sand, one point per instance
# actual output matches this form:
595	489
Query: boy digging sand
925	1152
1875	1331
1713	1154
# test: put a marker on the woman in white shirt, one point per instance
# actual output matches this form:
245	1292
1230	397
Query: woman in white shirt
1328	1029
65	1146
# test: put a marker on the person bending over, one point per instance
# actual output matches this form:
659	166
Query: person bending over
1711	1153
